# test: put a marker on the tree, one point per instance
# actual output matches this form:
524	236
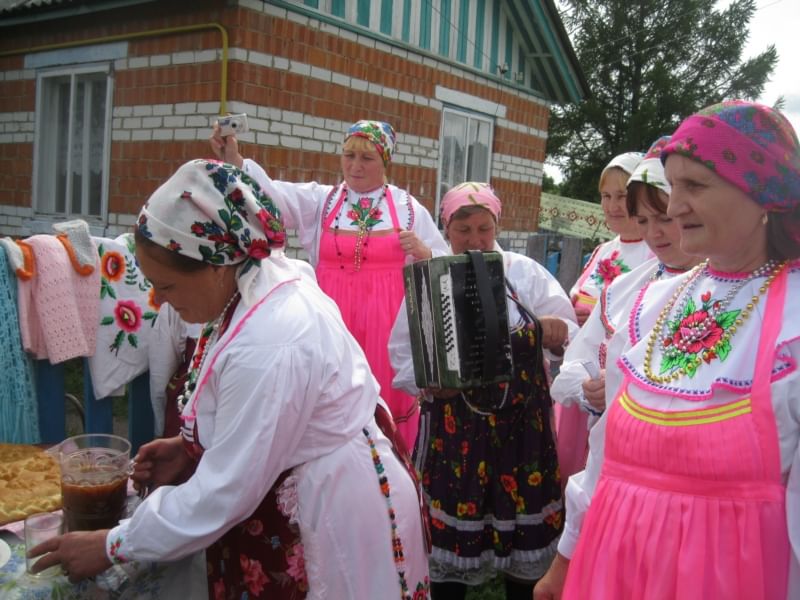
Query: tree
549	184
649	63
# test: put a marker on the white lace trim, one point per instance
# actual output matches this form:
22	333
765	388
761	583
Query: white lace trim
287	498
527	565
497	524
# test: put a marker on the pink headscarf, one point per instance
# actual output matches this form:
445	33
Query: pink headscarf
749	145
470	193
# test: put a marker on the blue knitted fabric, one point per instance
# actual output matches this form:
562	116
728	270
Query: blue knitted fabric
19	414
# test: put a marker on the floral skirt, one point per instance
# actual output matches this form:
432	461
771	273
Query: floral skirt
261	557
493	488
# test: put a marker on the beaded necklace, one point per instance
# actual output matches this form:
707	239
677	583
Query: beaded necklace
365	214
397	544
211	329
679	357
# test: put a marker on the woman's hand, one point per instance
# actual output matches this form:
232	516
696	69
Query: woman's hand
594	390
554	334
225	148
581	314
551	585
413	246
81	554
161	462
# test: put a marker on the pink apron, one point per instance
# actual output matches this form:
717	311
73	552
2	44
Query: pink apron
369	298
690	504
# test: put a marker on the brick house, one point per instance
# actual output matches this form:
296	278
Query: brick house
100	100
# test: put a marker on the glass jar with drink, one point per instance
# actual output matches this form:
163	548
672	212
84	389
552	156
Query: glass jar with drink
94	480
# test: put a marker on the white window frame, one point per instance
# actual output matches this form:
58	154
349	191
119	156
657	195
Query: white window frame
470	116
39	170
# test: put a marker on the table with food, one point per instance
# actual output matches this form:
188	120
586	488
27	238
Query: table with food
83	482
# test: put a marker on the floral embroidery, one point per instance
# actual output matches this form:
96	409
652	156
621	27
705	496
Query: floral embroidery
127	315
296	565
697	331
114	553
254	576
254	527
112	265
151	300
364	215
535	478
608	269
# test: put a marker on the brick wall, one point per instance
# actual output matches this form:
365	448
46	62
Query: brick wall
301	81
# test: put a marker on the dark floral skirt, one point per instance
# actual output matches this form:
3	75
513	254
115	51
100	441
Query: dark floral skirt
262	557
492	483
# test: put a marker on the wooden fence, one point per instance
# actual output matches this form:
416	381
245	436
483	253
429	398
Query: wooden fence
51	395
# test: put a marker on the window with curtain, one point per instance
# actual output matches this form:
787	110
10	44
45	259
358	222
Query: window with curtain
464	149
73	121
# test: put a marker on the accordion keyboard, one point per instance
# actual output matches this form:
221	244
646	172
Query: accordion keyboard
449	329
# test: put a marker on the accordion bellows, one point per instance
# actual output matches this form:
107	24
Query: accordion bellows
458	320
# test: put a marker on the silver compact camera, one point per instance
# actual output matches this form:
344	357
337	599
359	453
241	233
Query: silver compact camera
232	125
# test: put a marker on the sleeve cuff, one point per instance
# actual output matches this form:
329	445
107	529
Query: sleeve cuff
116	550
568	541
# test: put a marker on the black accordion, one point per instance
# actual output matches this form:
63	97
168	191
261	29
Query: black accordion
458	320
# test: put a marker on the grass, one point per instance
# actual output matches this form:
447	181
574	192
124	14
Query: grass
491	590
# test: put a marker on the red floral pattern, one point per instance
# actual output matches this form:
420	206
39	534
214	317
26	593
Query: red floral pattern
697	331
608	269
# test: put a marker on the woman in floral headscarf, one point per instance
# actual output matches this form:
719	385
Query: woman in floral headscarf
487	455
281	472
692	489
358	235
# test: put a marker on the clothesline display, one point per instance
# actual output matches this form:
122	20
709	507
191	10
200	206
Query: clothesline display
70	295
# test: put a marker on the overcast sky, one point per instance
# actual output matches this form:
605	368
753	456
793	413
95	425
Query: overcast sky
778	22
774	22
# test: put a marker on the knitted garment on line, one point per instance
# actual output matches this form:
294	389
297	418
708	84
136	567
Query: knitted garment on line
80	240
58	308
19	417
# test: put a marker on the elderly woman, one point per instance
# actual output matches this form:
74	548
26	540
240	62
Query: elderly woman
692	489
359	235
487	455
279	438
648	195
619	255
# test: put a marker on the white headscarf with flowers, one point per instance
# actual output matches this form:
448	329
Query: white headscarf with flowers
213	212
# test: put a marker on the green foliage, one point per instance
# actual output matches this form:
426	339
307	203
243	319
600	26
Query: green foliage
549	185
649	64
491	590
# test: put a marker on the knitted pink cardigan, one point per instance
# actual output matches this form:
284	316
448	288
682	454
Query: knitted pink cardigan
58	308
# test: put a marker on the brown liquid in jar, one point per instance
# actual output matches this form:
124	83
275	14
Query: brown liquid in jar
95	502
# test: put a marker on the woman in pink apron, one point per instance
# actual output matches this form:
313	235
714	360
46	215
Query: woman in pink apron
692	489
575	387
609	260
358	235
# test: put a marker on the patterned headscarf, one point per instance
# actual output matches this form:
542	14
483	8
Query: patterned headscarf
651	170
750	145
379	133
213	212
470	193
